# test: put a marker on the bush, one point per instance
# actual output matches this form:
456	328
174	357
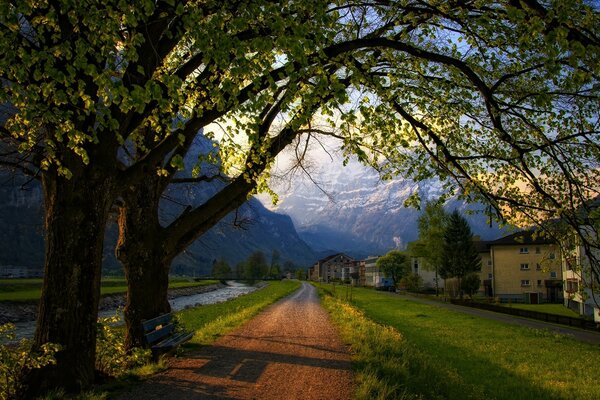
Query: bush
14	358
111	357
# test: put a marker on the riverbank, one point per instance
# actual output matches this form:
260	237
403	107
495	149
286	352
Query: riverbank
26	311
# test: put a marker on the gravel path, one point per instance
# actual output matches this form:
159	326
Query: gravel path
289	351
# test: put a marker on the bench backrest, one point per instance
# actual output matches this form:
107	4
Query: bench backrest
156	329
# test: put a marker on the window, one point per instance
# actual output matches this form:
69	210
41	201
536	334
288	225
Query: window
489	276
572	285
552	256
489	263
525	282
524	267
539	282
538	267
538	250
524	250
552	274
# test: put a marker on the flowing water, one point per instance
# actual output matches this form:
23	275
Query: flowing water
233	290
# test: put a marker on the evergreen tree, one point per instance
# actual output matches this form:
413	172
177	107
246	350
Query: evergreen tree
460	257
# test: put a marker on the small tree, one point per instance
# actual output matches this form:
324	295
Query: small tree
300	274
470	284
432	224
412	282
221	269
460	255
394	265
256	266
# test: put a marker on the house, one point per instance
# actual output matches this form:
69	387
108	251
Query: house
524	267
331	268
373	276
486	275
581	289
429	277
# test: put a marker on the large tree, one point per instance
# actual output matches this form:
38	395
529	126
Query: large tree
457	89
460	257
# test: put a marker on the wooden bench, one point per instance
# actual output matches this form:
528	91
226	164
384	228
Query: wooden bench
160	335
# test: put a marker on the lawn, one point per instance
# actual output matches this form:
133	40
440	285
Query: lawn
441	354
557	309
28	290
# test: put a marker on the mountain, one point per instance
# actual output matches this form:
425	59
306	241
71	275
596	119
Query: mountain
251	228
361	215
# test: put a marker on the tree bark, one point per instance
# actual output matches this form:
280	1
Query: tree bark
140	250
76	215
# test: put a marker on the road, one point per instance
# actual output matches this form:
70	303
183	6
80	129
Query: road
289	351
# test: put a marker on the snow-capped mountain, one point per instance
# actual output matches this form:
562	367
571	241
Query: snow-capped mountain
360	214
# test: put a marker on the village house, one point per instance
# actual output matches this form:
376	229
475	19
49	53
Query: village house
331	268
427	274
523	267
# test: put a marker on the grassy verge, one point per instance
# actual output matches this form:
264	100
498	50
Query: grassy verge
557	309
433	353
211	321
28	290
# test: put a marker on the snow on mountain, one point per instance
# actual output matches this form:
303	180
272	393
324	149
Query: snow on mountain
362	215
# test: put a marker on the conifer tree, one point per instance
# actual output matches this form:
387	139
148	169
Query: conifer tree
460	255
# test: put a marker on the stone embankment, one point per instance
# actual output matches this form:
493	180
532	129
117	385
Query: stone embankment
23	312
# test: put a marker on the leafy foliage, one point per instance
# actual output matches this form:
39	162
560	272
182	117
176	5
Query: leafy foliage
112	358
221	269
17	357
470	284
394	265
460	255
412	282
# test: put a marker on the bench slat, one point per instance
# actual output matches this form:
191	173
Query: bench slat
151	324
159	334
174	341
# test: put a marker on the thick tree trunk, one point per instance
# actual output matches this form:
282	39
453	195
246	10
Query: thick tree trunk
140	250
76	215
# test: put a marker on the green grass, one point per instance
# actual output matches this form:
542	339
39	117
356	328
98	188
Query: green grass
211	321
557	309
441	354
29	290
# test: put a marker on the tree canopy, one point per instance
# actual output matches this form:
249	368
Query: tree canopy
499	99
394	265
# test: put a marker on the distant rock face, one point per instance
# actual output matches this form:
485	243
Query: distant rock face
22	242
365	216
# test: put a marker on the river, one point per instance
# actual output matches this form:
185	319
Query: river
233	290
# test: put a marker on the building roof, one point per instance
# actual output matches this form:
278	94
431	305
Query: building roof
482	246
324	260
522	237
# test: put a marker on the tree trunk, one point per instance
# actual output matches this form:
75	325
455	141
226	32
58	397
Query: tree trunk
76	215
140	250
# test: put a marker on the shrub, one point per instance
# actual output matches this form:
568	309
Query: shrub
111	357
16	357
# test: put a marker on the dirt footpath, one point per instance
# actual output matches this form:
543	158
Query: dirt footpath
289	351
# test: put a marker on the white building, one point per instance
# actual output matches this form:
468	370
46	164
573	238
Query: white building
581	289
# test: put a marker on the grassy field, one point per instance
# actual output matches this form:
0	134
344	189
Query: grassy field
433	353
557	309
27	290
211	321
